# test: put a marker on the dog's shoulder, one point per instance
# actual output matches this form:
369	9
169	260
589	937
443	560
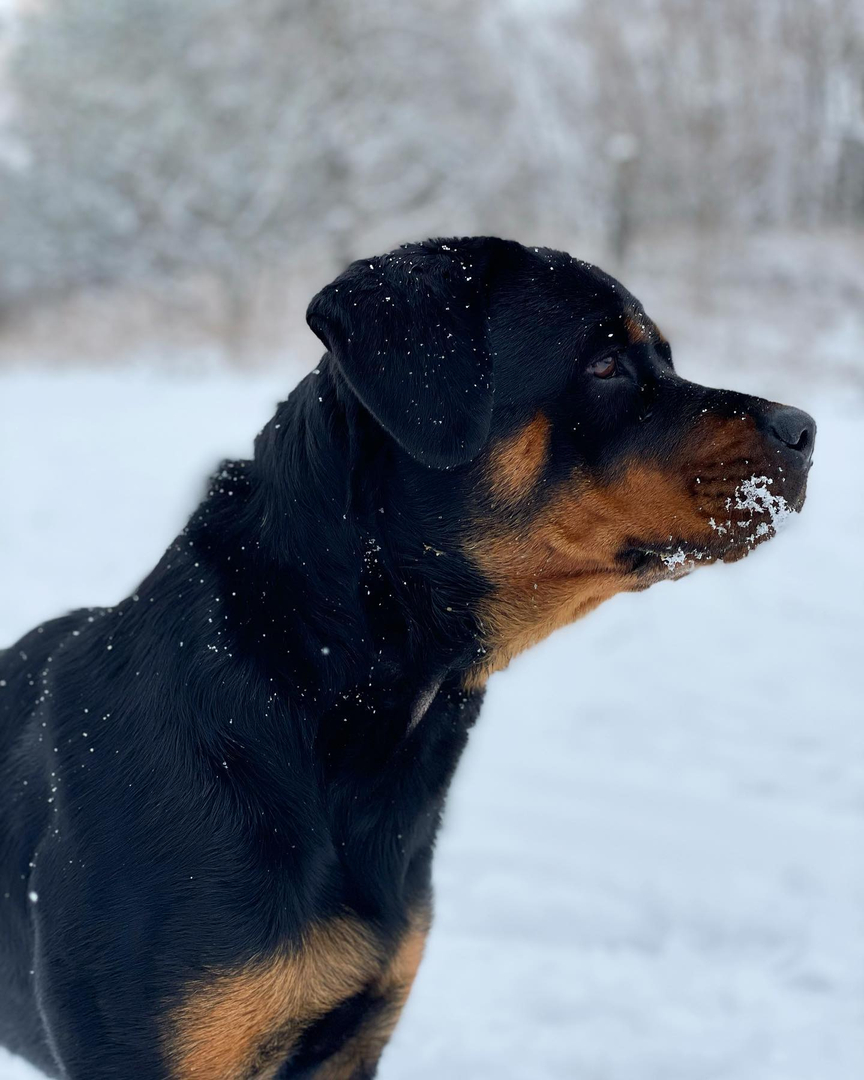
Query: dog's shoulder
25	666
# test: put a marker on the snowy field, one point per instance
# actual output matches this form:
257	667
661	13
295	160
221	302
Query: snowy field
667	881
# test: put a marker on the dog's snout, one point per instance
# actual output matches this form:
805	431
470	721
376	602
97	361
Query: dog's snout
794	428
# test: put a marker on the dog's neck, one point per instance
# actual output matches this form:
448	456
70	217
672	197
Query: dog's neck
352	601
321	645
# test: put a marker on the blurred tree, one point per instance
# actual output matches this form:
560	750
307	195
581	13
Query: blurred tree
216	136
158	142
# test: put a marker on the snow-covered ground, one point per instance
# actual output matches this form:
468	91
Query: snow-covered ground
666	880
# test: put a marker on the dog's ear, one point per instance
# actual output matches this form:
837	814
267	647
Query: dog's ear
407	330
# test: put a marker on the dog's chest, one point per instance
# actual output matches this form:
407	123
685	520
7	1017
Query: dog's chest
246	1023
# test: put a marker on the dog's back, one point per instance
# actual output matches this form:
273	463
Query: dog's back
26	799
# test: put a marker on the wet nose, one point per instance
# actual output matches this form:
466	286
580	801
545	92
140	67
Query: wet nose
794	428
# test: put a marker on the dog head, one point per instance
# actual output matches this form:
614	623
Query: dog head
532	402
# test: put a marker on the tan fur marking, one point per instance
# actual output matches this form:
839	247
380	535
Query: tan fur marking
402	969
640	329
233	1025
562	564
517	462
394	986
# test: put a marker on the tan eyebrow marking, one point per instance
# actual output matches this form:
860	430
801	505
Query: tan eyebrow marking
640	330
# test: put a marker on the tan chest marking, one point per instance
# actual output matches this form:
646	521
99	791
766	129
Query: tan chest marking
360	1054
241	1024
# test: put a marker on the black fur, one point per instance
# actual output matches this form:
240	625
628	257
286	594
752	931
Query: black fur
191	777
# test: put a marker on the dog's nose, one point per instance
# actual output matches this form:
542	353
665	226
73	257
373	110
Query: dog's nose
794	428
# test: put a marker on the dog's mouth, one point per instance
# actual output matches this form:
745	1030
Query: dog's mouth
754	512
757	510
673	560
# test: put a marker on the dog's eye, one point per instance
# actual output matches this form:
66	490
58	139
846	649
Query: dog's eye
607	368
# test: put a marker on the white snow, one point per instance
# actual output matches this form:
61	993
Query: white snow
651	866
675	560
754	495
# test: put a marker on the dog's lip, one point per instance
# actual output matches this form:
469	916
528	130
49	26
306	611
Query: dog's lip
672	557
645	556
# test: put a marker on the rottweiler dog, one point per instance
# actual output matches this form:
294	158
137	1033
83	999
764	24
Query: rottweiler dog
219	798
